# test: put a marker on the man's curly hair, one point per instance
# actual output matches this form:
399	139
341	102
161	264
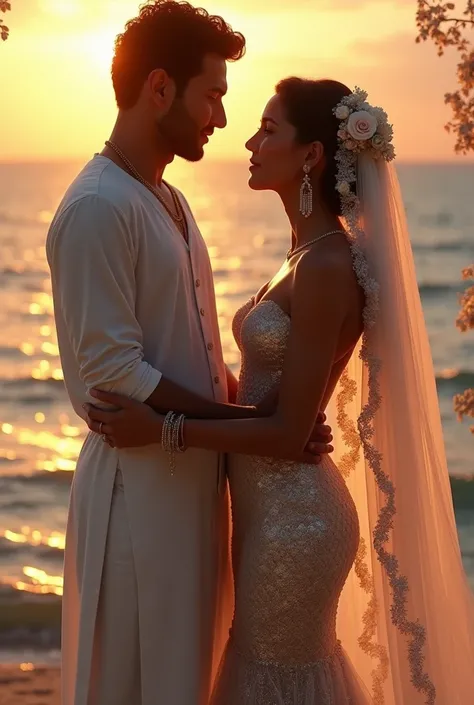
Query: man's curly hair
170	35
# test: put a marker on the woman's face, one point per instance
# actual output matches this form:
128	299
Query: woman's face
277	159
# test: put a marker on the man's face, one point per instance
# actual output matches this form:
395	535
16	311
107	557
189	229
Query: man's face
194	116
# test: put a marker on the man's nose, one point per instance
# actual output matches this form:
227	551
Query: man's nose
219	117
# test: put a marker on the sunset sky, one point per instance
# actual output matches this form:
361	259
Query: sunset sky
57	100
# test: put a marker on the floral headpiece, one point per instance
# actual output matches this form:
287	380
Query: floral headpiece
363	128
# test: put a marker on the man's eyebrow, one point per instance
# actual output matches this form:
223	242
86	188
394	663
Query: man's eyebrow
218	89
269	119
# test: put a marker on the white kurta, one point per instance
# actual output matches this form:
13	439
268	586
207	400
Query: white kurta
133	303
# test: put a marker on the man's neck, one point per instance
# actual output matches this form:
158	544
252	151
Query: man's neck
141	149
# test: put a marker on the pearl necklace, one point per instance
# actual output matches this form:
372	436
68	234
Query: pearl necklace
290	253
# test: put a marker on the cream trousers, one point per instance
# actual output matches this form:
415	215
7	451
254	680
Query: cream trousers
116	663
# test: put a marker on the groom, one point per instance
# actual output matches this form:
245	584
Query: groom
147	592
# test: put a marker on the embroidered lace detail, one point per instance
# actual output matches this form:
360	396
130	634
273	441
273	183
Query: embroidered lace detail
346	465
347	160
349	430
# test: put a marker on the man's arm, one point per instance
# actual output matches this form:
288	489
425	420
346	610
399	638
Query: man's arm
92	261
91	254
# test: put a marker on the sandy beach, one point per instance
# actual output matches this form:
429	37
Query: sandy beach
26	684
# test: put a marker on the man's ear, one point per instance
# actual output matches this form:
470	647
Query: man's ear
162	89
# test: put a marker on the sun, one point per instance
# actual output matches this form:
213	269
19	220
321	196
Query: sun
63	8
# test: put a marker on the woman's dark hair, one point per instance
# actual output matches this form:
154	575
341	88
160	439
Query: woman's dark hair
169	35
309	106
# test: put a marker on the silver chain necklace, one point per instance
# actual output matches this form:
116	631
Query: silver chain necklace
177	217
290	253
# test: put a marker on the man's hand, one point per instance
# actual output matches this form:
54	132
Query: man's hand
321	437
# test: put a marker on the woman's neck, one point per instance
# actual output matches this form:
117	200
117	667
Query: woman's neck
305	229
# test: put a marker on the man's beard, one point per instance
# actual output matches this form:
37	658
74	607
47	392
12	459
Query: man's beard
181	134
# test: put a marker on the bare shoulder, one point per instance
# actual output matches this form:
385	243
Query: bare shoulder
325	267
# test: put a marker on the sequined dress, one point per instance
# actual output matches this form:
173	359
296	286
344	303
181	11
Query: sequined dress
295	536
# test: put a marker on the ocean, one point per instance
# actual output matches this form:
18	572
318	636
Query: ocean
247	235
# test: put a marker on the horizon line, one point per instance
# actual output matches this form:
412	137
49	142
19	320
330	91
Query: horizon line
459	160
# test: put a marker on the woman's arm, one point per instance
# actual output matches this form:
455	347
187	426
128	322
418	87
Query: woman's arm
320	305
232	385
322	299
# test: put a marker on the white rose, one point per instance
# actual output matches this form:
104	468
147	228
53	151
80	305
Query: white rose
342	112
362	125
378	142
343	188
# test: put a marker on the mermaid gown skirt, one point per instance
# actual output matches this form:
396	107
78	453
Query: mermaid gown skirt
295	537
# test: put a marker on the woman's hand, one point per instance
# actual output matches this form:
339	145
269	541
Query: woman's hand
321	437
131	425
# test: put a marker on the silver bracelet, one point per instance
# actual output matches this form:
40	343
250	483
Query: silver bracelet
181	443
172	437
165	431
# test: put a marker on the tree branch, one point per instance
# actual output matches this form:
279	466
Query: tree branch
5	6
434	22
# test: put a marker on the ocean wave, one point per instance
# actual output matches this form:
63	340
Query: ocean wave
11	461
32	400
442	219
9	352
462	489
31	391
434	289
29	623
455	380
452	246
41	477
38	552
19	505
22	382
10	272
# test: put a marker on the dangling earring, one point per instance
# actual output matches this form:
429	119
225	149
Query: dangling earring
306	194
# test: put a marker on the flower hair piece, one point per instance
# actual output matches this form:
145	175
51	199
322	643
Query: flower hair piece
363	128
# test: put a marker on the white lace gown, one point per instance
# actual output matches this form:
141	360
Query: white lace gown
295	538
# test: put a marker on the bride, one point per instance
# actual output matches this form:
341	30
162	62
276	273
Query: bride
349	587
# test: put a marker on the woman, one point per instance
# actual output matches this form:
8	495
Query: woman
346	592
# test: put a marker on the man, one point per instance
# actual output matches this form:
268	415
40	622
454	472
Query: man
147	597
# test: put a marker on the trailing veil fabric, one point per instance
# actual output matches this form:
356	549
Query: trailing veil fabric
406	616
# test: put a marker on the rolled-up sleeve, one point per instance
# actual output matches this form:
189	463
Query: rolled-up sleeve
92	260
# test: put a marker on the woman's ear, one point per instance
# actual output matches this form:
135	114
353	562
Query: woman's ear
315	154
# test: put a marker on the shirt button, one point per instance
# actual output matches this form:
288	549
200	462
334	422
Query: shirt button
210	346
202	311
198	283
216	380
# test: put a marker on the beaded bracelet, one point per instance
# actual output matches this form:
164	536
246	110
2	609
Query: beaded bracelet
172	437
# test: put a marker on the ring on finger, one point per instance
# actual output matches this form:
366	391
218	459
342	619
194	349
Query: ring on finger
101	425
